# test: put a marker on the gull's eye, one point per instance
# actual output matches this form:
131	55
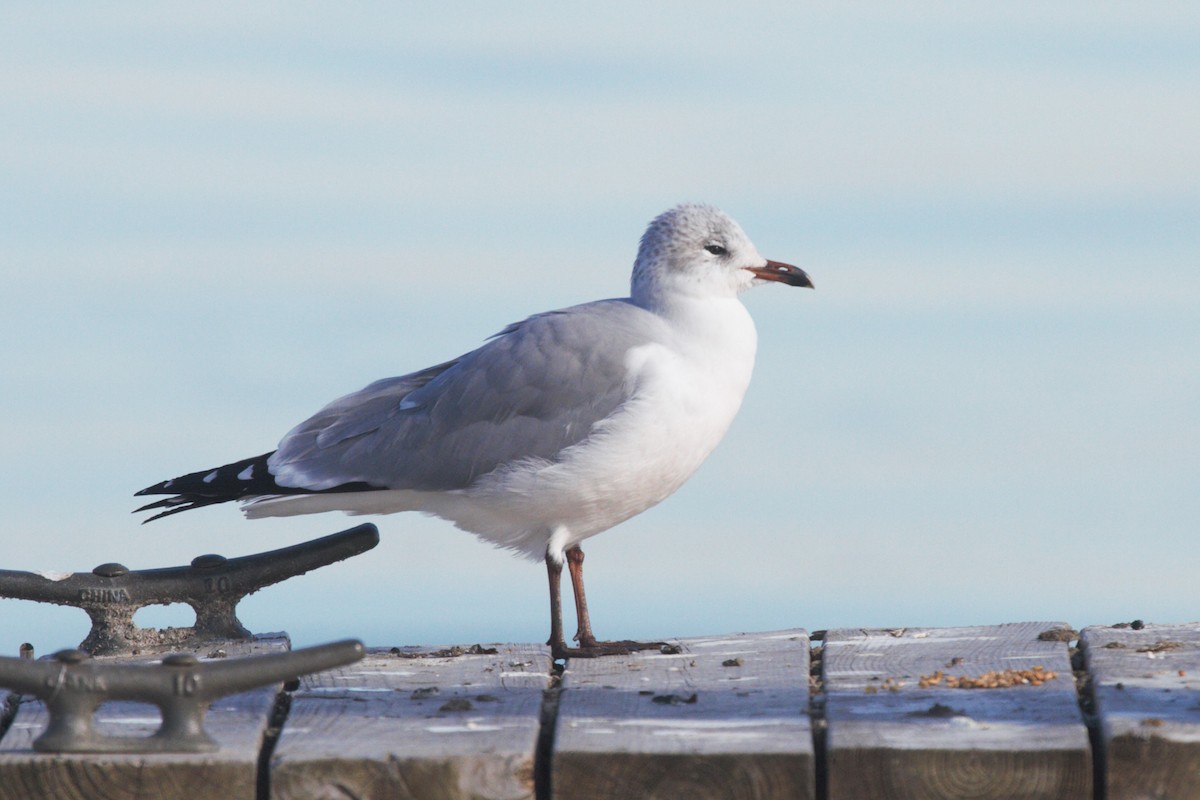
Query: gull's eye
716	249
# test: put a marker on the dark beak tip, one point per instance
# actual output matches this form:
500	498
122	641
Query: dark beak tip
784	273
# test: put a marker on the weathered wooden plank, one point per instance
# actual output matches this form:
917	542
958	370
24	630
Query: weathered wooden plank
890	737
1146	685
725	718
463	726
236	722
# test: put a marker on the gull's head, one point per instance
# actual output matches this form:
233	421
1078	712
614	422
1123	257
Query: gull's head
699	250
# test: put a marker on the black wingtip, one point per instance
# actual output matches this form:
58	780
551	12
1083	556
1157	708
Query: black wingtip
177	504
166	513
248	477
162	487
161	515
170	501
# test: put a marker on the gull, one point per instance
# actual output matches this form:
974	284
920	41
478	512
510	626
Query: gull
556	429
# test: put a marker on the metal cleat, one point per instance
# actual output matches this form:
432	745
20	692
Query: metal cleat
73	686
212	585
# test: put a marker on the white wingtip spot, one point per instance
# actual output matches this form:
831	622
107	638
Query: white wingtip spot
246	474
210	477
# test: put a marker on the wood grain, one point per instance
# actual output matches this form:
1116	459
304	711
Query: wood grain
390	727
237	723
1146	685
890	738
725	718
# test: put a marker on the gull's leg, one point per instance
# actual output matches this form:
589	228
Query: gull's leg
588	645
558	645
583	634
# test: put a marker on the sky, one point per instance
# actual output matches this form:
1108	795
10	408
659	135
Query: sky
216	217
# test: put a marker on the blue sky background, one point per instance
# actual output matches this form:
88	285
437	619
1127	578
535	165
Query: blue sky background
216	217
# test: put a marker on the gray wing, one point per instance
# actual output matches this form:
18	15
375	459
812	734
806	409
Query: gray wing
533	390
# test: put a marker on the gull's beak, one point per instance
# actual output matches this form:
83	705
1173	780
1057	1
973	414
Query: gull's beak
784	273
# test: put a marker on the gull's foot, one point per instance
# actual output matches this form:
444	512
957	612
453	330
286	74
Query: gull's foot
594	649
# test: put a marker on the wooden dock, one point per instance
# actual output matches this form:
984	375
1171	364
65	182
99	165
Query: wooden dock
1024	710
